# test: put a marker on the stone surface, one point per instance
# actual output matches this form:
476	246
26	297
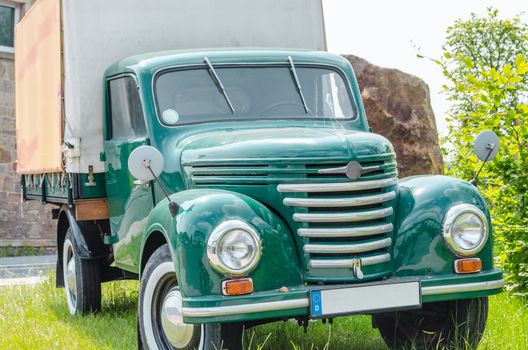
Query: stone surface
18	221
398	106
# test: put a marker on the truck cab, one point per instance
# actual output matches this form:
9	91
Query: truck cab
287	205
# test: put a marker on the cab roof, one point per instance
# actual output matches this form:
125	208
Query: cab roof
154	61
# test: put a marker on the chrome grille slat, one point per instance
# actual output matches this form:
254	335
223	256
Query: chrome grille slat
343	217
345	232
339	202
348	263
335	216
337	186
347	248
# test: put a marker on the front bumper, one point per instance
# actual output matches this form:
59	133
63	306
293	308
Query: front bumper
295	302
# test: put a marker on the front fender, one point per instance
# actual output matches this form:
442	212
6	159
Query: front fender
199	213
423	201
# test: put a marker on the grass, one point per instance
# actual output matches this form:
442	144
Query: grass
36	317
6	252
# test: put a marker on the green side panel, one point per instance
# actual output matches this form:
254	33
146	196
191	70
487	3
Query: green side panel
53	186
91	189
129	204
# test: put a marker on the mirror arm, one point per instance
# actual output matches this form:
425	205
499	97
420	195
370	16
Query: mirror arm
173	206
474	180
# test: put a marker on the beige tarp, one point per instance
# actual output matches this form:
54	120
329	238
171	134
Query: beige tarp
39	89
96	33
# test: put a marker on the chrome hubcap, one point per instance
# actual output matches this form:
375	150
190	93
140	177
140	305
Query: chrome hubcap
69	272
70	277
178	333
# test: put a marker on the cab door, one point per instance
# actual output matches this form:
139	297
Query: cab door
129	201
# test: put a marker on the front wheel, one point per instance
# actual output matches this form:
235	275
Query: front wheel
160	319
456	324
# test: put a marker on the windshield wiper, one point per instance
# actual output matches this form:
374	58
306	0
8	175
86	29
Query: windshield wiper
219	84
296	79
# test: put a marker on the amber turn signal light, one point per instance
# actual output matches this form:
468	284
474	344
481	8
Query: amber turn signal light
469	265
237	287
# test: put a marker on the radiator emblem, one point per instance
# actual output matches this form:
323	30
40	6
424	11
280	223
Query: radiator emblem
352	170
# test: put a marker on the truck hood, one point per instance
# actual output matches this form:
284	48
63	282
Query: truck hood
271	145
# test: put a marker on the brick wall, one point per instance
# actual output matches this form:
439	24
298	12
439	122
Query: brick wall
21	224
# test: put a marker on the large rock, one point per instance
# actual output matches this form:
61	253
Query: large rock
398	107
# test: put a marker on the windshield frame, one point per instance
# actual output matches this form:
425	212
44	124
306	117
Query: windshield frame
338	70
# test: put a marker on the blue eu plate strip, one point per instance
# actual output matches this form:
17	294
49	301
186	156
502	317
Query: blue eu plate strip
316	304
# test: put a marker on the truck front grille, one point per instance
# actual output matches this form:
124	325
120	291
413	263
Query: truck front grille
341	222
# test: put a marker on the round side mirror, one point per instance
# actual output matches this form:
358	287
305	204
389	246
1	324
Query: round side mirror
486	145
141	159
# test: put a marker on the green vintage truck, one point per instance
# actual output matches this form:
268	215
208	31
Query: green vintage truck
244	186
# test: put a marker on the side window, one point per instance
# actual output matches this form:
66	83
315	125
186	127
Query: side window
9	16
126	113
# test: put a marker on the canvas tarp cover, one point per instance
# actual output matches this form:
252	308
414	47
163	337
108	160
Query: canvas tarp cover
38	89
96	33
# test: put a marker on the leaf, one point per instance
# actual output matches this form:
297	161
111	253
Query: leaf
522	69
484	98
469	63
472	79
521	65
507	70
523	108
519	60
494	74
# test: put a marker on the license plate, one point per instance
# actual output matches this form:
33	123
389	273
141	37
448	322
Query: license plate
362	299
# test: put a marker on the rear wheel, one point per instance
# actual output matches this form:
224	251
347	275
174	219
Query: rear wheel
82	279
161	323
456	324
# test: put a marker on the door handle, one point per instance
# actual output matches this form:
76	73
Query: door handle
141	183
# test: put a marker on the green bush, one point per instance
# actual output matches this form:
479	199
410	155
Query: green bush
484	61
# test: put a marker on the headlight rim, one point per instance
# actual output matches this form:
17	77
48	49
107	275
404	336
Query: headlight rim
214	239
452	214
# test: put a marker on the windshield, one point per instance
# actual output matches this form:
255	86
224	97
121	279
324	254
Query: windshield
257	92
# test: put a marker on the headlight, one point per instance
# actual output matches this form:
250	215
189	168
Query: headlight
234	248
465	229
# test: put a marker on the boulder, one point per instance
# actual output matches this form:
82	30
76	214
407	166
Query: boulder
398	106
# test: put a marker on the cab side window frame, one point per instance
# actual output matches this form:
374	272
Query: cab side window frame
125	114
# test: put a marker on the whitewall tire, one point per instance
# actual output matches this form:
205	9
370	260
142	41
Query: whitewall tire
160	318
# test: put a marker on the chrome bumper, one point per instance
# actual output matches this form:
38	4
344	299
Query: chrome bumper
245	308
464	287
304	302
